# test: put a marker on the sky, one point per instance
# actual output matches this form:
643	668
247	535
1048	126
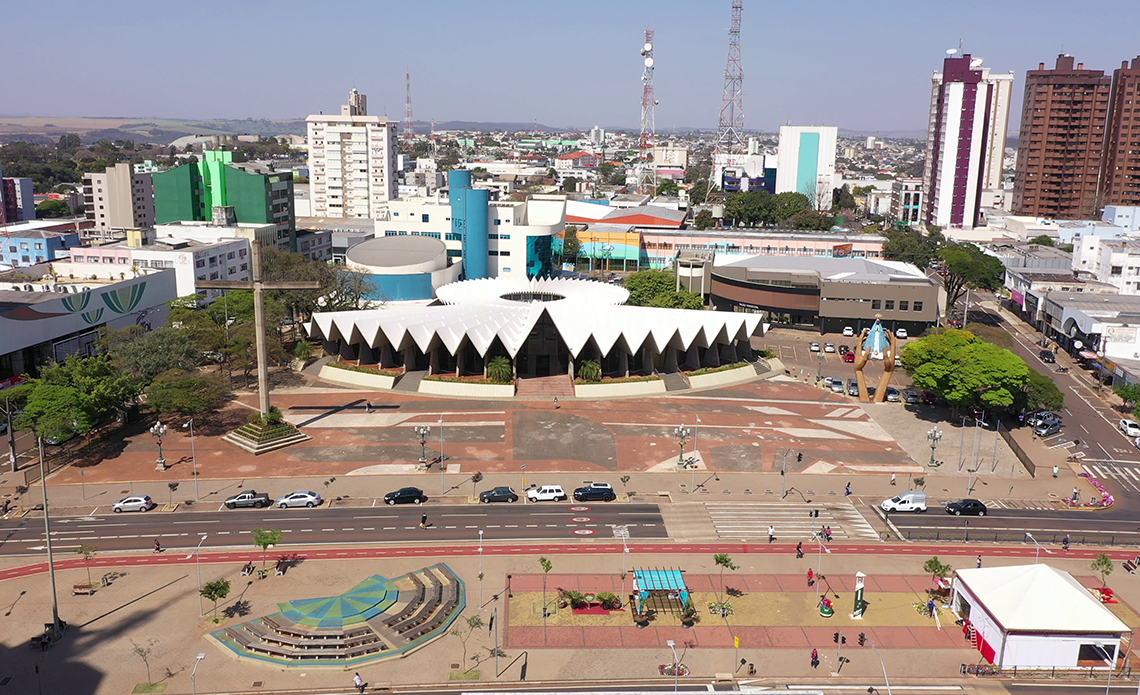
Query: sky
863	66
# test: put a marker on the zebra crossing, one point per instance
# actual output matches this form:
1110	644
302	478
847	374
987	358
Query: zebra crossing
1127	476
792	521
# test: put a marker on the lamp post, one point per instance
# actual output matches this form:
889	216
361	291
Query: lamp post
193	455
934	435
819	372
201	608
819	565
676	663
884	665
159	430
194	672
480	567
441	483
56	631
682	434
422	431
1040	547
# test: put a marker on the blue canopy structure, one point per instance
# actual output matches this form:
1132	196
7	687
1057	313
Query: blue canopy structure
661	588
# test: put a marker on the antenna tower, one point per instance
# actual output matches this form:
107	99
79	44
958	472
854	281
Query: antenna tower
646	175
409	129
730	130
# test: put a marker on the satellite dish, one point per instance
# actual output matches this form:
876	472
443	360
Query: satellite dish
655	102
976	63
1078	344
648	62
648	47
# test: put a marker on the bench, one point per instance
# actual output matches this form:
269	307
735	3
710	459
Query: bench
85	589
239	637
1129	566
247	570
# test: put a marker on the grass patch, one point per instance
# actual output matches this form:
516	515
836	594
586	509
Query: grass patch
619	380
150	688
465	380
364	370
472	675
714	370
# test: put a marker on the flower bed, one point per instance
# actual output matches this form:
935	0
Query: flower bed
1106	498
366	370
618	379
714	370
463	379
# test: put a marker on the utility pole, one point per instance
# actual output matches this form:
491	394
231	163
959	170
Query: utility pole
56	631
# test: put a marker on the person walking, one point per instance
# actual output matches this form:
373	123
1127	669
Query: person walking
1065	543
892	478
368	406
157	546
556	406
423	521
827	533
811	577
1076	495
847	492
771	533
1056	470
358	683
814	658
799	550
979	561
930	608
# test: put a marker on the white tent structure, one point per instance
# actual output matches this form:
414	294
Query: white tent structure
544	326
1036	616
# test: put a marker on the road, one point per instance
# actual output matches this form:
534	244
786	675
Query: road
322	525
1010	525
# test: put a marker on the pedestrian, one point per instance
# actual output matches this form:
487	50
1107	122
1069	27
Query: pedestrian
847	492
368	406
771	533
799	550
814	658
556	403
358	683
1056	470
827	533
1065	543
930	608
1076	495
979	561
892	478
157	546
811	577
423	521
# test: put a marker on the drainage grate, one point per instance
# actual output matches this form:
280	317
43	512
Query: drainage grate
5	681
455	666
256	684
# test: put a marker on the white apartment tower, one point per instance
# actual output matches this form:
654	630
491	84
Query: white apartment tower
965	141
352	161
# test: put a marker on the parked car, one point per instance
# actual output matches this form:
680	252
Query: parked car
837	385
901	334
969	507
852	387
1047	429
1048	356
849	357
499	494
595	492
912	501
893	395
848	332
134	503
299	498
1038	417
249	498
546	493
930	398
406	495
56	438
844	349
814	347
912	396
1130	428
829	347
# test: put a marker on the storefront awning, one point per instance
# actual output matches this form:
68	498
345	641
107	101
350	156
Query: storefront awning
1087	355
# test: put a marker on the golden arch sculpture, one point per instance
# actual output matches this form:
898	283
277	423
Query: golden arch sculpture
875	344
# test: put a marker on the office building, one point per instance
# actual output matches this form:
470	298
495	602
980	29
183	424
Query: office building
250	194
965	142
906	201
352	161
1120	165
17	200
118	198
1061	141
805	162
25	244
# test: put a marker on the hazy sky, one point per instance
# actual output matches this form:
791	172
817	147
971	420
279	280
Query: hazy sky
859	65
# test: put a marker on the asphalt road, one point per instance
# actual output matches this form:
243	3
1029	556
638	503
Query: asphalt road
322	525
1010	525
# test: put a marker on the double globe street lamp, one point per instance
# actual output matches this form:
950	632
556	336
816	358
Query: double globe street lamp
159	431
422	431
934	435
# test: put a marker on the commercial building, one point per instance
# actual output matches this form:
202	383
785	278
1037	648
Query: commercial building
118	198
828	293
210	232
1126	216
26	244
1115	261
1028	288
315	245
805	162
965	141
1101	330
352	161
193	191
1120	166
17	200
906	201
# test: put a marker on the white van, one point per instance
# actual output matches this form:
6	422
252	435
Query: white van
913	501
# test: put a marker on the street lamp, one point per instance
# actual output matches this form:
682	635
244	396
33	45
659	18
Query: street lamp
201	609
676	663
883	664
1040	547
819	372
422	431
819	565
159	430
194	672
480	567
682	434
934	435
441	483
193	455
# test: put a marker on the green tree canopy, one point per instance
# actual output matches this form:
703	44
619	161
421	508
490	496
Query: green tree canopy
842	199
152	353
698	191
704	220
786	205
657	288
966	265
965	370
668	187
749	208
910	245
188	392
1040	393
571	246
50	209
810	219
1043	240
76	395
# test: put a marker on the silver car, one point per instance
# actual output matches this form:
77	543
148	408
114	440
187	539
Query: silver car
299	498
134	503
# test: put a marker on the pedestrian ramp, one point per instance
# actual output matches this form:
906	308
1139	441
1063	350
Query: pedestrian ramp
1127	477
793	521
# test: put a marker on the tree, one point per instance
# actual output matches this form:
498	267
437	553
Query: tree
704	220
1041	393
668	187
644	285
473	623
50	209
350	291
936	569
499	370
143	652
216	591
723	561
678	300
964	370
1102	565
1043	240
88	552
698	191
910	245
590	371
180	391
785	205
265	539
842	199
76	395
967	266
750	208
69	141
1129	393
571	247
155	352
810	219
546	566
570	184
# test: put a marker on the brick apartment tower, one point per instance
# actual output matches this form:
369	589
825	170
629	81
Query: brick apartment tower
1061	141
1120	165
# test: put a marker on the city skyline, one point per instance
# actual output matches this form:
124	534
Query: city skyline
867	67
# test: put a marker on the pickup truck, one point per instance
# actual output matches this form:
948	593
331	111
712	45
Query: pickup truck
249	498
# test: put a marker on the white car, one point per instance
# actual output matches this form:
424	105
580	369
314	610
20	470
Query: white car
546	493
814	347
848	332
901	334
829	347
1130	428
299	498
134	503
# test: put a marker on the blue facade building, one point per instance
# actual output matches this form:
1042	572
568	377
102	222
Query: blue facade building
469	213
26	246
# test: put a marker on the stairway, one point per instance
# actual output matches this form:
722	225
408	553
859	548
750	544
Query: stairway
558	386
674	381
410	381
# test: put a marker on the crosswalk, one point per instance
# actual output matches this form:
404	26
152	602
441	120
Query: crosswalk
1127	476
750	520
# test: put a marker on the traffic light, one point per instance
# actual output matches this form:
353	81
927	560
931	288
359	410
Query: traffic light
835	638
799	458
843	639
862	639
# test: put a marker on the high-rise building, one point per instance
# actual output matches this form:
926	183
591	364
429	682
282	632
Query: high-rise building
906	200
805	162
192	192
1120	165
118	198
1061	141
965	140
352	161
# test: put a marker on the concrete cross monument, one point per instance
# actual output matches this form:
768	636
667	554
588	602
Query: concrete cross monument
259	286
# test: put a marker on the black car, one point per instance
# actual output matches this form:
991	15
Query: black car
595	492
499	494
961	507
1048	356
405	495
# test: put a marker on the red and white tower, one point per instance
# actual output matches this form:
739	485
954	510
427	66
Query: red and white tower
730	130
409	129
646	174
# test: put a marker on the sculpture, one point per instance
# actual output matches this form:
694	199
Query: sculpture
875	343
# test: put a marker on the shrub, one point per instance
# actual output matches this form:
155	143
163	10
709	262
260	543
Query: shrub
590	371
274	416
499	370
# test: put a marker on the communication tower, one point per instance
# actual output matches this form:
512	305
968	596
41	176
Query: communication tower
730	130
409	129
646	175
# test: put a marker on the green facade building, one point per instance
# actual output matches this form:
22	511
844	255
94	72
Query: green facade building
192	191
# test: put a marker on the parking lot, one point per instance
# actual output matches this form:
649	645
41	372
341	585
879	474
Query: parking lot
793	347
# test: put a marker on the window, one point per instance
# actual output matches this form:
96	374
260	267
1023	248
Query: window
123	260
890	306
200	263
108	259
918	306
497	222
876	304
230	255
39	246
504	236
506	270
904	305
504	253
424	218
90	259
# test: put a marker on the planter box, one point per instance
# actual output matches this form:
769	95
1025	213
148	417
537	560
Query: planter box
725	378
349	377
624	388
458	388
